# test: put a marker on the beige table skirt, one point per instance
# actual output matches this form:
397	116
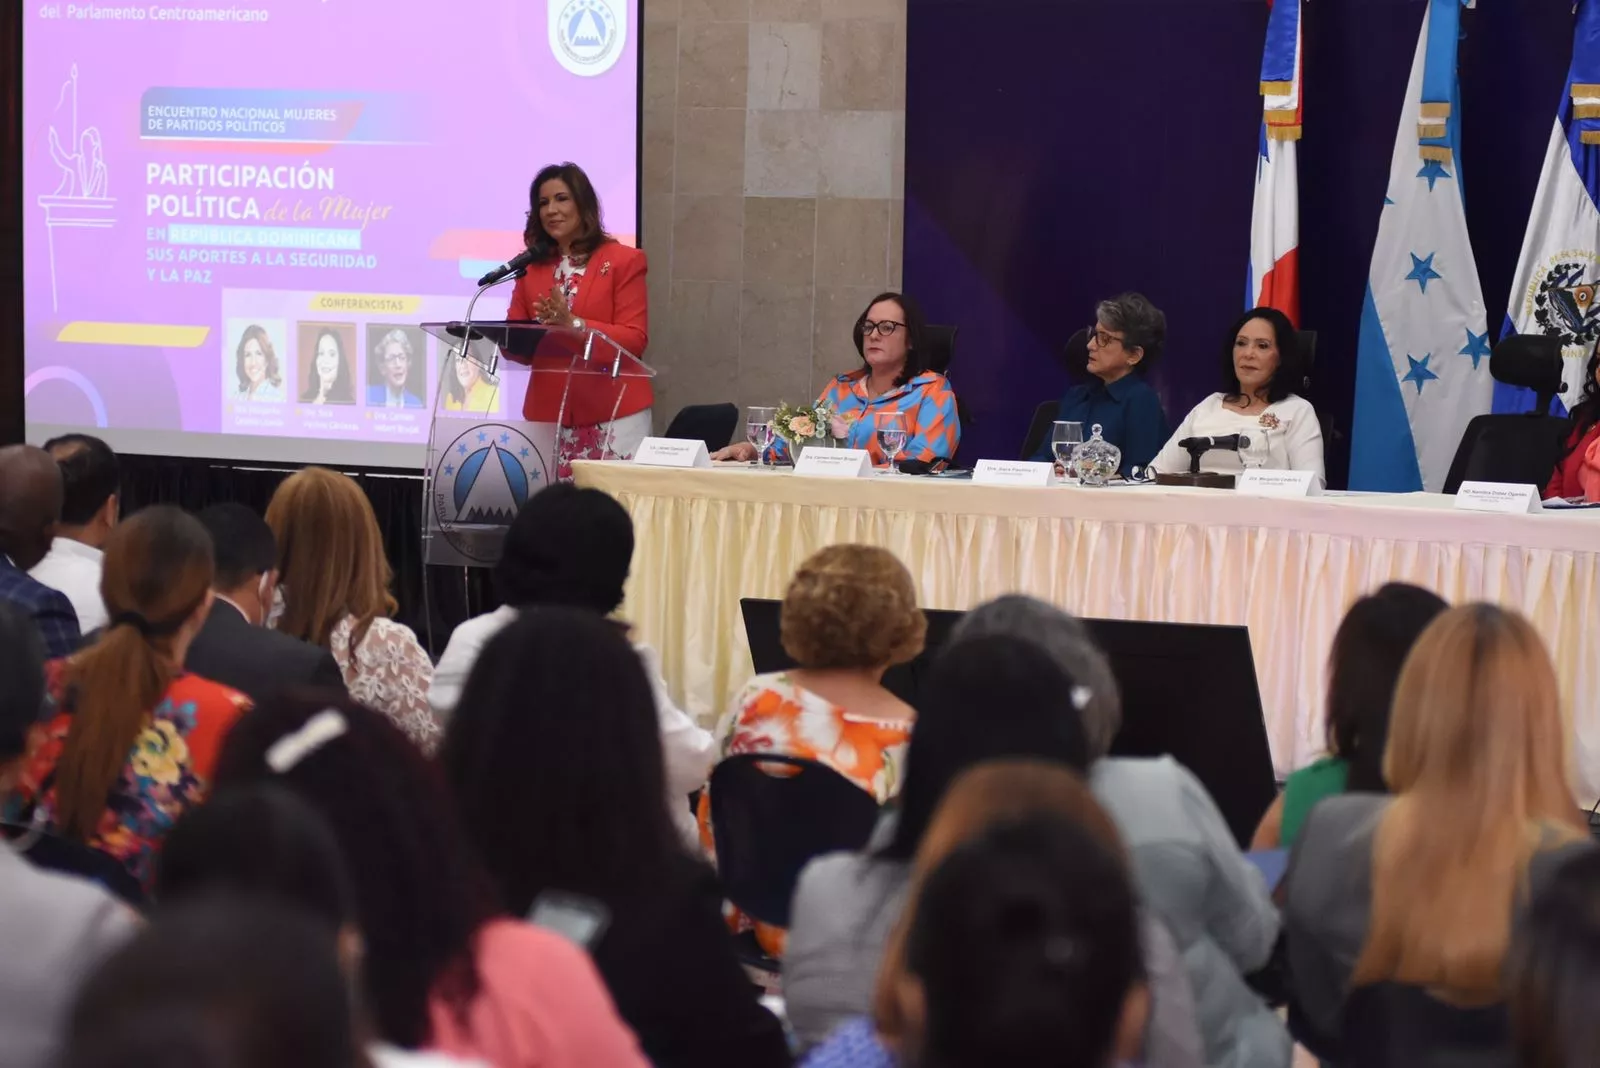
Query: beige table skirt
1287	569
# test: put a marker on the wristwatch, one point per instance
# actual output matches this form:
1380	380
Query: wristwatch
579	324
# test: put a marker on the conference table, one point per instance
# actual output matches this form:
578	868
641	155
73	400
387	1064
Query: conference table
1287	568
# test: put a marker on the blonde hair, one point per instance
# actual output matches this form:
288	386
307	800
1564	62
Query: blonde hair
1477	761
330	556
988	794
156	576
852	606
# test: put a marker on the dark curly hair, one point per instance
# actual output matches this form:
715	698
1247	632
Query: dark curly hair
568	545
420	895
1290	376
591	232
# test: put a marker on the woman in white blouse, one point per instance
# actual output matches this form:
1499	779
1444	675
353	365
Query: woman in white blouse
335	586
1262	367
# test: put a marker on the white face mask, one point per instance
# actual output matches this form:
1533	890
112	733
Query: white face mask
263	598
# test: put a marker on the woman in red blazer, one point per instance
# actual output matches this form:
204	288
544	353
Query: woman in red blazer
586	279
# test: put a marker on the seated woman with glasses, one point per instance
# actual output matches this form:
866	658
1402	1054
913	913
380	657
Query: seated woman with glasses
1124	343
1261	368
894	377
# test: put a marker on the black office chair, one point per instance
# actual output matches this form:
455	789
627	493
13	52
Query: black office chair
771	815
1393	1025
1520	448
713	424
53	853
1044	416
941	345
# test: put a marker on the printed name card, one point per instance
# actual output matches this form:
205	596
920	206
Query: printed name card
1013	473
1510	498
833	463
1259	482
672	452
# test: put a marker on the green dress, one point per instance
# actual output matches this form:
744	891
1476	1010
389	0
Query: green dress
1304	788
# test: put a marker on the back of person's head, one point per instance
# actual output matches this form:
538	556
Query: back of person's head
21	682
567	546
1066	638
852	606
1023	950
259	842
242	543
330	556
218	985
1369	649
89	476
419	894
30	503
1476	758
1553	969
558	717
988	698
156	584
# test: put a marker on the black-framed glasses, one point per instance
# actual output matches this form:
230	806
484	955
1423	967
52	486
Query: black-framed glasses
883	329
1101	337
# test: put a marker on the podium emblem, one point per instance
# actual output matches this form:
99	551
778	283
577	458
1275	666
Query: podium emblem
587	35
480	481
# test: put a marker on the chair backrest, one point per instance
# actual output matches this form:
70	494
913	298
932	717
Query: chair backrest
1393	1025
773	814
1044	416
1532	361
941	343
1308	358
53	853
1507	448
713	424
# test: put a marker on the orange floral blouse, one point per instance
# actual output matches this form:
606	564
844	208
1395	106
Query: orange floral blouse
773	715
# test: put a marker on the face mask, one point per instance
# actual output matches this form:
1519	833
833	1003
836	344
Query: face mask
264	599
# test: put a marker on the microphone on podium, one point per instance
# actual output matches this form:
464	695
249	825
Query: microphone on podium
514	265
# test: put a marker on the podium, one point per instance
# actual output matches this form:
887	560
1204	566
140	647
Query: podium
484	460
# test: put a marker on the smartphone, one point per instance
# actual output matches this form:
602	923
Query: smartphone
578	919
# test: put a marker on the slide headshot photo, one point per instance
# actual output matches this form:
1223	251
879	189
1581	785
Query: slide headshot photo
468	387
325	372
252	365
397	366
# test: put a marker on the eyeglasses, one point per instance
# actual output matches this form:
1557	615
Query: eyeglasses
1100	337
883	329
396	356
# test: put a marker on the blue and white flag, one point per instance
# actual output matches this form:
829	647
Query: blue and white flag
1558	274
1422	362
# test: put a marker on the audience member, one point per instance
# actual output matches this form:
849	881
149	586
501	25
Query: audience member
572	547
236	647
335	589
1553	970
1421	888
89	509
1188	867
446	969
1369	649
30	505
133	738
558	724
850	614
54	927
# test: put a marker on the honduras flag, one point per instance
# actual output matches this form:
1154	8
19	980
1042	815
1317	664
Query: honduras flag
1422	366
1557	278
1274	280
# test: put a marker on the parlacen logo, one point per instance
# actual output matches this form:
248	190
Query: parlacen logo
587	35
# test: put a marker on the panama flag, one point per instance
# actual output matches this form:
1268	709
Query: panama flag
1556	281
1274	280
1422	361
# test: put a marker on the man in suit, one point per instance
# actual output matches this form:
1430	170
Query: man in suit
391	361
235	647
30	506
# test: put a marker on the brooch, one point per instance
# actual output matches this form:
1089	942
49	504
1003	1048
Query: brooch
1269	421
605	268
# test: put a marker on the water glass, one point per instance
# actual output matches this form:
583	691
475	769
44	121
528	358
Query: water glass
1065	437
759	430
893	429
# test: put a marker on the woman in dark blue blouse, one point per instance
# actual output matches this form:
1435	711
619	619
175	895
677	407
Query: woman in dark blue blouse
1125	341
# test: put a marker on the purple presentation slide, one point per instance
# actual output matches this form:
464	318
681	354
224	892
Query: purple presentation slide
235	215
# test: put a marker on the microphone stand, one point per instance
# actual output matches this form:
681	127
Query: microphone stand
1197	447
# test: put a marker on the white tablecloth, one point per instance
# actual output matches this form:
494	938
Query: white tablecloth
1287	569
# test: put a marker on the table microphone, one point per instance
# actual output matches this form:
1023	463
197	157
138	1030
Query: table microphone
1232	442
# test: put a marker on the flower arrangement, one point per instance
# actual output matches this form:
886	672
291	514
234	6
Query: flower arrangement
797	424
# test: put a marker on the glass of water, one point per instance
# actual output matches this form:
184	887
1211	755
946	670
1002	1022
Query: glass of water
893	429
758	430
1065	437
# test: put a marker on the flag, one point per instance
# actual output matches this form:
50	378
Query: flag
1274	279
1558	273
1422	358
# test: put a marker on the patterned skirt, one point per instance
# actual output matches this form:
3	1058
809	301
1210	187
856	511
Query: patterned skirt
618	440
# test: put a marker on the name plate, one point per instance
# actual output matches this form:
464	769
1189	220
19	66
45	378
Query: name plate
833	463
1013	473
672	452
1509	498
1259	482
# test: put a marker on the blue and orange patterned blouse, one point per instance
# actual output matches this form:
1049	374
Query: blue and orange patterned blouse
927	400
168	770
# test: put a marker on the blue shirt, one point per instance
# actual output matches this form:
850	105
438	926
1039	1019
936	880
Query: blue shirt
1129	414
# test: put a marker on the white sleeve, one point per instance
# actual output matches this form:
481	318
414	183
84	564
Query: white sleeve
450	673
686	747
1172	460
1305	442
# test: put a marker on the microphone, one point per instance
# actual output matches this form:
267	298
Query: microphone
1227	441
515	264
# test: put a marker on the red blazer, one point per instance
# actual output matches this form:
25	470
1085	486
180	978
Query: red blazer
1567	481
613	299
